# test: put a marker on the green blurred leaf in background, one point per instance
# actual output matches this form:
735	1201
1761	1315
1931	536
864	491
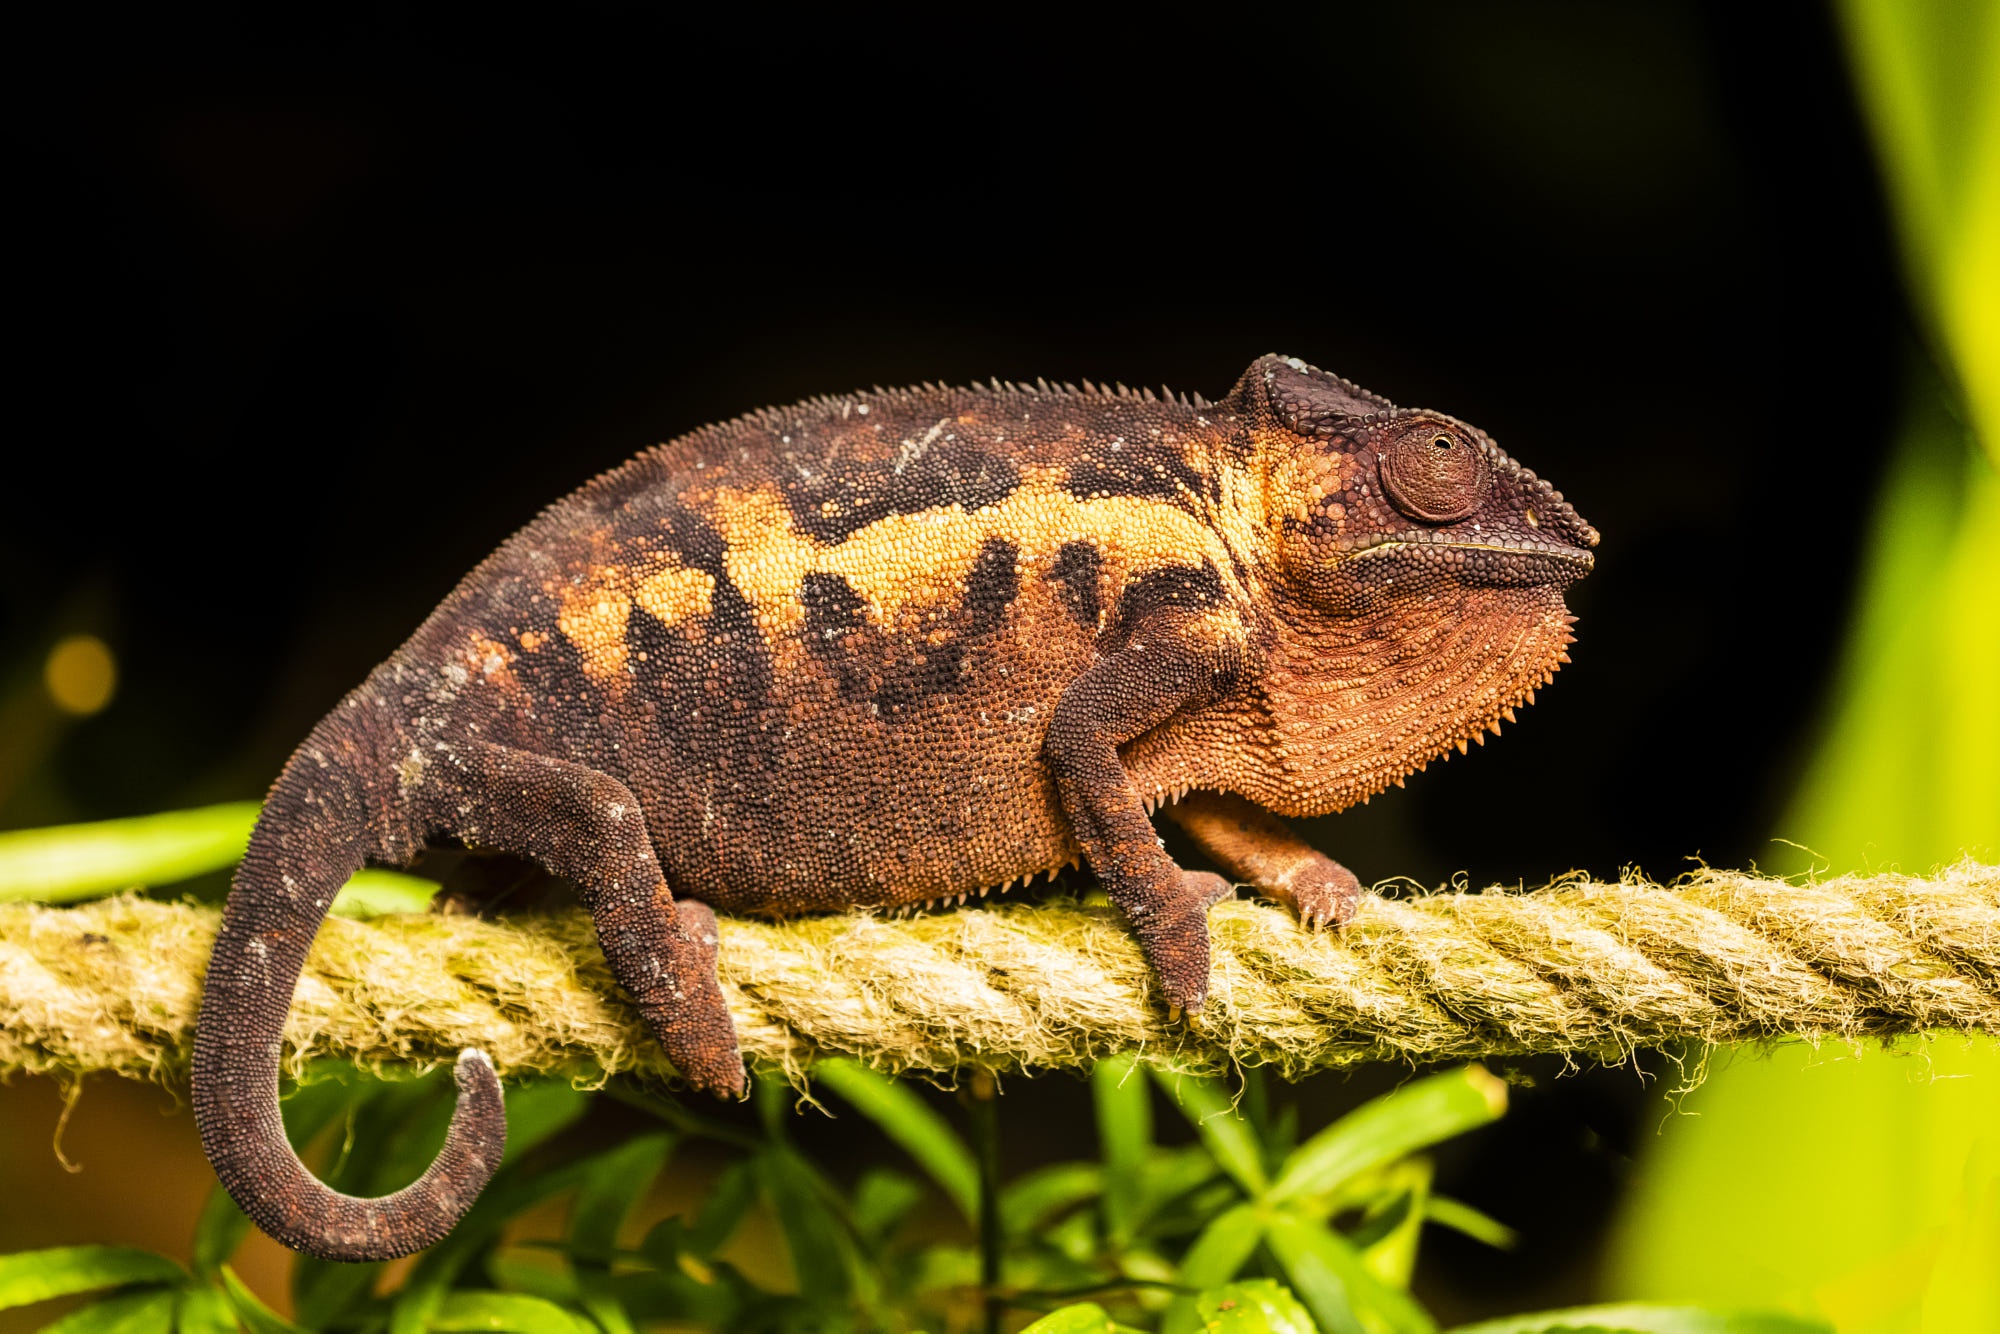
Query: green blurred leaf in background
70	863
81	861
1865	1188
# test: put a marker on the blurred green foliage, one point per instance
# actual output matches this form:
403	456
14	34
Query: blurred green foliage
72	862
1869	1188
69	863
1247	1230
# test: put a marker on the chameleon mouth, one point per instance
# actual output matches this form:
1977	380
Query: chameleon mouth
1562	553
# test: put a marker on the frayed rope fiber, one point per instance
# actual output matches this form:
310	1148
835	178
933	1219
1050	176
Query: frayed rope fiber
1583	968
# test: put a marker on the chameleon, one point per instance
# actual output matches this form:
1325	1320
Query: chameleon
901	648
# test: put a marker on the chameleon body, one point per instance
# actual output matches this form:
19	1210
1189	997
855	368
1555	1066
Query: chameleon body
891	649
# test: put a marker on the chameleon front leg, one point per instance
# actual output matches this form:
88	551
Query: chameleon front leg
587	826
1159	675
1255	846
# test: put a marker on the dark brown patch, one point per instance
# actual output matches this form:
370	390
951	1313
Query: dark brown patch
732	650
1190	586
833	630
833	608
556	687
1078	567
924	670
1158	472
834	499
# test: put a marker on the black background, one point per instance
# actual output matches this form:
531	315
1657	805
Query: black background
311	312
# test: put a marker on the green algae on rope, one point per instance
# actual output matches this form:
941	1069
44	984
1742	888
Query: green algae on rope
1583	968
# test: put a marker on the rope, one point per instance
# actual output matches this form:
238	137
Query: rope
1582	968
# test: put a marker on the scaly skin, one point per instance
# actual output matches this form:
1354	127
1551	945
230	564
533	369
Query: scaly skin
893	648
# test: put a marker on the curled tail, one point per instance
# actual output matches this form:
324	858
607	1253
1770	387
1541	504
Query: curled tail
318	827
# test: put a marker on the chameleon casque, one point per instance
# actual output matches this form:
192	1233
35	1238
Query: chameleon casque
896	648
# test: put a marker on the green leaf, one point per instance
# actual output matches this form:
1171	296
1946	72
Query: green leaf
1284	1136
373	892
812	1233
612	1183
1184	1187
538	1110
81	861
1124	1101
397	1132
35	1276
1214	1258
309	1108
1206	1104
505	1311
1964	1288
1390	1213
677	1297
728	1201
1222	1248
1463	1218
1031	1200
601	1303
146	1312
912	1124
512	1192
1643	1318
882	1200
679	1117
1394	1222
68	863
1082	1318
1074	1237
218	1232
1335	1285
1256	1306
774	1100
325	1292
537	1271
1390	1127
204	1310
257	1318
665	1242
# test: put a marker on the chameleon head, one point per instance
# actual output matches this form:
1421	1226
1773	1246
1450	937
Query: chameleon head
1419	573
1370	501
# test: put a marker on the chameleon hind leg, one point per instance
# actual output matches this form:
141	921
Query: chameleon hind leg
587	826
1256	847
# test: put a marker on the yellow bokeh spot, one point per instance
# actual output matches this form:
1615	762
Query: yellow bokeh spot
81	675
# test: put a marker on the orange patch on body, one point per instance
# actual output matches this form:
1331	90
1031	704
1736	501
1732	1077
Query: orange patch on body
593	619
902	562
675	593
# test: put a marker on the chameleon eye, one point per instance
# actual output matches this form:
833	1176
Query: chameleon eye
1433	475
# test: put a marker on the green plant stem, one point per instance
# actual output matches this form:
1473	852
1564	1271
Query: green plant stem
984	1106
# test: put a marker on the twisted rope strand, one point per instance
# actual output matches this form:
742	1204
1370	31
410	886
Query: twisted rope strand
1578	967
